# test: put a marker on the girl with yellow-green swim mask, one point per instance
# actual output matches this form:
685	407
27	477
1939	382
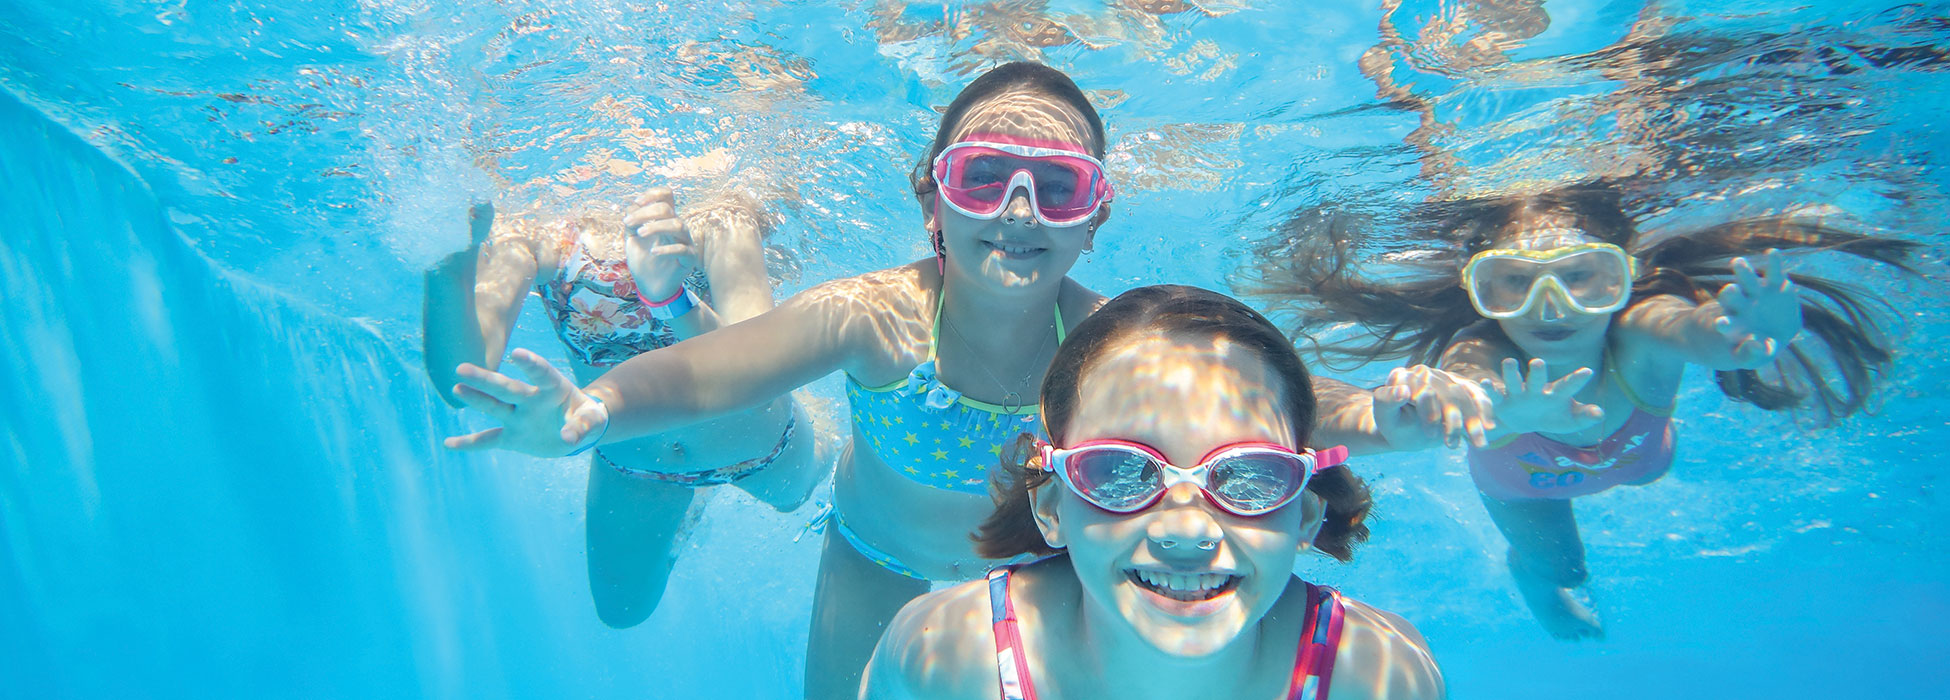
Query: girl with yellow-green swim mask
942	358
1586	278
1580	329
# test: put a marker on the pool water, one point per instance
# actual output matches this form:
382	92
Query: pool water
219	471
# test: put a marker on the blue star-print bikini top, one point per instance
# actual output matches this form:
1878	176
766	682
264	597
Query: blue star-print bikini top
931	433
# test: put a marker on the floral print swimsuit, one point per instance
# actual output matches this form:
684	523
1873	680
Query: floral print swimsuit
593	305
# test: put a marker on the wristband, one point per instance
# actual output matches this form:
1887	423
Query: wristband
676	306
599	434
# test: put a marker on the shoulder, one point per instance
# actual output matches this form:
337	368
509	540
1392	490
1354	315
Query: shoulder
1648	343
1482	331
898	290
1383	657
939	646
1479	346
1078	302
883	319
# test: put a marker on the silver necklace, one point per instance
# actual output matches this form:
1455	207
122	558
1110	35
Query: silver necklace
1013	400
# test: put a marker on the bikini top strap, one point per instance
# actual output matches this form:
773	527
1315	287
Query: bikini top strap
934	336
1011	665
940	300
1320	639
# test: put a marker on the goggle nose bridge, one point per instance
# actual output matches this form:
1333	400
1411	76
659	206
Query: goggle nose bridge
1548	289
1025	180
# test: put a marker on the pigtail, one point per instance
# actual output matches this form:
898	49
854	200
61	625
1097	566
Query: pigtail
1011	529
1348	502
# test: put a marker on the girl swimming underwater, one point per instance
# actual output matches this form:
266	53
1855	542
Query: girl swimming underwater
1581	327
1170	501
599	287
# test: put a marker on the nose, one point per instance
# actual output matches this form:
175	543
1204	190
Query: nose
1183	528
1552	308
1019	210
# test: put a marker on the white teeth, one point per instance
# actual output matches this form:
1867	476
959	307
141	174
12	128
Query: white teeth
1014	249
1182	582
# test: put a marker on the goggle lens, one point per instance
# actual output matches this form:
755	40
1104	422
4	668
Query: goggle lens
1115	479
1247	481
1256	482
1591	280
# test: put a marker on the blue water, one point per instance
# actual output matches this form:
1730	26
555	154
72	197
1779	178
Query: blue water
219	474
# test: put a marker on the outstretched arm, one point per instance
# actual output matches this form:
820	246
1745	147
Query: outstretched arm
1742	327
1419	407
715	374
736	367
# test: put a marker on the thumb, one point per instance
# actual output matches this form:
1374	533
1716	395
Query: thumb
1389	400
1588	414
588	416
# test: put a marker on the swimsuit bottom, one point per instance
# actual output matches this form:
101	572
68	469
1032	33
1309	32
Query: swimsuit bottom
827	515
713	477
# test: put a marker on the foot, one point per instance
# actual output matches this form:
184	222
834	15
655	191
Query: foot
1564	612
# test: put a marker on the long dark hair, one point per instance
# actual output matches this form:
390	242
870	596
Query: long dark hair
1180	312
1310	273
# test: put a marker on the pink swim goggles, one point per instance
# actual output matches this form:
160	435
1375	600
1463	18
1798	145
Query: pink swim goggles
1065	185
1245	479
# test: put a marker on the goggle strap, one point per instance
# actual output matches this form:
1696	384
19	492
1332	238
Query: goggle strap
1329	458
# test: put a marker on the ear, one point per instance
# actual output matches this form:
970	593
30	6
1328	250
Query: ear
1042	502
930	209
1313	515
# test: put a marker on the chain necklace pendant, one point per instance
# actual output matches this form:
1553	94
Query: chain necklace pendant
1011	402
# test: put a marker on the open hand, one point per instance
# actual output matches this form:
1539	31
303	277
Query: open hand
1762	311
659	249
1421	406
1532	403
548	418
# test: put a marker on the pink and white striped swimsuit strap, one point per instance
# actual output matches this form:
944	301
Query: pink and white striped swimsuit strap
1009	659
1313	665
1320	639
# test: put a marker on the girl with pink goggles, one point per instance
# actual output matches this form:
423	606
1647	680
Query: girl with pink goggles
1245	479
1065	185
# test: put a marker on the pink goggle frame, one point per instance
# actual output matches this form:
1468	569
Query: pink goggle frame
1064	184
1245	479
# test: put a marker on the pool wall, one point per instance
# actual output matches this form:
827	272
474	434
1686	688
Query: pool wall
212	490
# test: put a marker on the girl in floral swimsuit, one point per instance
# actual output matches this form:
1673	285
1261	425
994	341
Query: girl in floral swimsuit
598	288
1606	322
942	357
